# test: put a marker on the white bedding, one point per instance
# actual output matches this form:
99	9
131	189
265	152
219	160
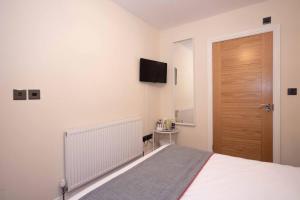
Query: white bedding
226	177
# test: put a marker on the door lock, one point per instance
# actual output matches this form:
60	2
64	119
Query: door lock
268	107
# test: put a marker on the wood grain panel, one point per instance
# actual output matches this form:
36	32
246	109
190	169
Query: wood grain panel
248	148
242	75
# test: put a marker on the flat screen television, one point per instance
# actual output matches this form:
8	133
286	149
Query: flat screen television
153	71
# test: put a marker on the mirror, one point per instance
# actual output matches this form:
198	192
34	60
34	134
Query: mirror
183	65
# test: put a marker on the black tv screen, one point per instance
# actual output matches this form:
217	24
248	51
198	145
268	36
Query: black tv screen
153	71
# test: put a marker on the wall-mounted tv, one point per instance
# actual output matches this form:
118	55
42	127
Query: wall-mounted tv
153	71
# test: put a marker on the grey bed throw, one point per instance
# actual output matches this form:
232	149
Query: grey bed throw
164	176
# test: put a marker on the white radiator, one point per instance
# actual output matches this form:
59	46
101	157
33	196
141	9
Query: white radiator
92	152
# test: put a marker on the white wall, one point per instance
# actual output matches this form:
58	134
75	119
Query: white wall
84	57
286	13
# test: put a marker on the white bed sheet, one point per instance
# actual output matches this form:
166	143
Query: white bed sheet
225	177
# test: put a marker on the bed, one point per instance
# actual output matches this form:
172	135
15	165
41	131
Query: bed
217	177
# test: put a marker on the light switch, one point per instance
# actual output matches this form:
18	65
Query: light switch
19	94
292	91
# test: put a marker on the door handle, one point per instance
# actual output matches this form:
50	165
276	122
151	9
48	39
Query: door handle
267	107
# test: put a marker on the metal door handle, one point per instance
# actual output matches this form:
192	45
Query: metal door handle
267	107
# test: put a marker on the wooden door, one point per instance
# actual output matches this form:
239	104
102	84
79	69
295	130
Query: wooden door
242	85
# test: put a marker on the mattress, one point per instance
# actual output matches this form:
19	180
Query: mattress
226	177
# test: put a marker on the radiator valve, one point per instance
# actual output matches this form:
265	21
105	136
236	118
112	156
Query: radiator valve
62	183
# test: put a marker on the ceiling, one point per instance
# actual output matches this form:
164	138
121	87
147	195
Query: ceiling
167	13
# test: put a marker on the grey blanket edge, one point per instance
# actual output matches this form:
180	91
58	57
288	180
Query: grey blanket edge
163	176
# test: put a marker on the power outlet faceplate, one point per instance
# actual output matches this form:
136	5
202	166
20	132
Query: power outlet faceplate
34	94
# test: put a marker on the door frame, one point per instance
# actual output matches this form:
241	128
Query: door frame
276	83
